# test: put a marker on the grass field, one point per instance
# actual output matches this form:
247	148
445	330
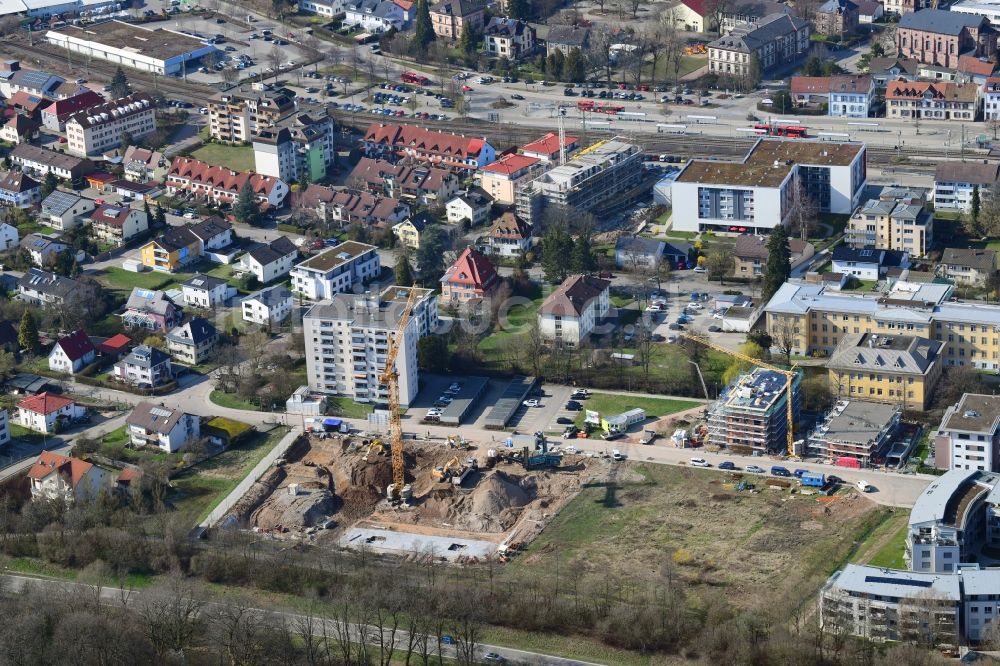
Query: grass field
195	492
513	324
885	546
239	158
765	550
610	403
349	409
119	278
231	401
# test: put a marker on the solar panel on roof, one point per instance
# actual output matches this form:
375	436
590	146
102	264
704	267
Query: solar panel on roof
898	581
35	79
144	293
158	411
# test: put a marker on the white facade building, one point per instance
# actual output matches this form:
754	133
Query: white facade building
100	128
205	291
757	193
347	339
969	435
570	314
168	429
8	237
161	51
268	306
955	183
332	8
269	261
336	270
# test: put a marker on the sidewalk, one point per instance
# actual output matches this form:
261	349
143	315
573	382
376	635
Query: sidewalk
240	490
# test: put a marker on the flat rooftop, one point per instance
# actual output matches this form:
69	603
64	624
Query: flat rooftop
859	422
769	162
159	44
508	403
974	413
335	256
895	583
470	393
759	389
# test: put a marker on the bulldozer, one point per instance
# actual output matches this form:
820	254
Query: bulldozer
376	448
458	442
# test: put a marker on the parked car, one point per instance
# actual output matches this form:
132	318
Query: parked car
580	394
699	269
700	462
570	431
517	97
532	402
727	464
616	454
754	469
714	329
573	406
864	487
565	420
610	436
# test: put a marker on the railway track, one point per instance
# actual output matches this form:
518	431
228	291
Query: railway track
918	159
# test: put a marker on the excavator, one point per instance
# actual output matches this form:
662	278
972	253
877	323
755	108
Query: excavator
376	448
444	473
399	491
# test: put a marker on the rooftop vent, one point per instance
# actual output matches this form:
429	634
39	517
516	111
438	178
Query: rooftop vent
971	414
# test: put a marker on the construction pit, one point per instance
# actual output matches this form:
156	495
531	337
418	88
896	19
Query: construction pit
332	491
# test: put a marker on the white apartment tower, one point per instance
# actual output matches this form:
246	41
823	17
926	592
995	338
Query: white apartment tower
100	128
347	342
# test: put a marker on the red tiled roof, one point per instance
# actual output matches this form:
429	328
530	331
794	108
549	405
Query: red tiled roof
548	144
44	403
810	85
472	268
73	468
63	108
219	177
115	344
510	164
76	345
27	101
128	475
915	90
114	216
973	65
100	177
424	140
697	6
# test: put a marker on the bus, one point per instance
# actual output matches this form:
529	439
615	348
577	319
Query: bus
790	131
414	79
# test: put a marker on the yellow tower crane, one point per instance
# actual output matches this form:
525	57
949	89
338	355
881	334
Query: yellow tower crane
789	376
390	378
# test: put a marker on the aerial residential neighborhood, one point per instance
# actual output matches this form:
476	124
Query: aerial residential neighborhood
519	332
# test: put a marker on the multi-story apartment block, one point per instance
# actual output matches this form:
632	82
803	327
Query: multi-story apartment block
776	42
393	141
751	415
897	220
757	193
595	181
236	116
969	435
955	516
888	605
100	128
856	433
896	369
41	161
296	147
451	18
940	37
502	178
814	320
336	270
991	100
347	342
937	101
145	367
955	183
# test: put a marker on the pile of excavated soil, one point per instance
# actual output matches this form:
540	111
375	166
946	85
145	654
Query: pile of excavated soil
493	506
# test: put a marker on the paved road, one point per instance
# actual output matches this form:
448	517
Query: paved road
16	584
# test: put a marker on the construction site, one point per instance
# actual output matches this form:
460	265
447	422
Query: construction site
464	501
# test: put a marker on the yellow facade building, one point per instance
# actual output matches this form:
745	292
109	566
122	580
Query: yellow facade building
806	319
896	369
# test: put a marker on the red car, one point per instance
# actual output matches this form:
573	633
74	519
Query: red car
466	88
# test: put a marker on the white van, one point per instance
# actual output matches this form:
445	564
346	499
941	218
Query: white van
864	487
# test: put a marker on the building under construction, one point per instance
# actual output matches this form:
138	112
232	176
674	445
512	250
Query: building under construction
752	415
595	180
